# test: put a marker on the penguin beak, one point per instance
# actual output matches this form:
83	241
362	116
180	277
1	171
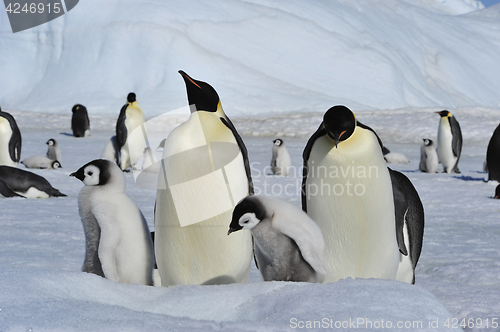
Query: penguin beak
78	174
231	230
188	79
337	136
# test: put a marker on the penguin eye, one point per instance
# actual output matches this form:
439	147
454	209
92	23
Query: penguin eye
246	221
89	173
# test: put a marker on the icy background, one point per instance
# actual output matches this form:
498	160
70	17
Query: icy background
277	67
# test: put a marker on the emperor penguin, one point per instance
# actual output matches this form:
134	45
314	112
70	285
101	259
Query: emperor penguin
428	157
497	192
27	184
280	162
449	144
53	150
80	123
205	172
10	140
409	215
288	245
347	191
41	162
5	191
493	156
131	143
118	241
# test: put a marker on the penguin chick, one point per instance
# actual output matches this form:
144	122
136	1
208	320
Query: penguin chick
118	241
428	157
53	151
395	158
41	162
288	244
280	163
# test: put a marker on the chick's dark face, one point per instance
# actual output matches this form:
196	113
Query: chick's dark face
339	122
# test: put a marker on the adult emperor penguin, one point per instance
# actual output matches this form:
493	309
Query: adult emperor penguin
10	140
27	184
53	150
131	143
409	215
41	162
288	245
118	241
493	156
205	172
5	191
347	191
80	123
428	157
449	144
280	162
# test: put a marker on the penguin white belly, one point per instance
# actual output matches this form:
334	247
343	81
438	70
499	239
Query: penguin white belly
353	206
283	163
5	135
189	251
135	144
405	268
125	254
444	148
32	192
432	161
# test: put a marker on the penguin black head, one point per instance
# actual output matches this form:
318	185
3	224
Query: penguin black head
51	142
339	122
56	164
76	108
444	113
497	192
278	142
131	97
200	94
95	173
247	214
427	141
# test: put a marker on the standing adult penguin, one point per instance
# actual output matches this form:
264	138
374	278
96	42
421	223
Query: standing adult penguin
347	190
131	144
280	163
118	241
493	156
449	142
205	172
428	157
80	123
10	140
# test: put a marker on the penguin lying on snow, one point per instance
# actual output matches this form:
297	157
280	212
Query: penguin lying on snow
280	163
53	151
27	184
118	241
428	157
449	142
288	245
41	162
10	140
5	191
80	124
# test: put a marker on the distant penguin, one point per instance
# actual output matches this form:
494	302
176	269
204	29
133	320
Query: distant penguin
118	241
10	140
449	144
347	190
53	151
5	191
111	151
80	123
130	144
27	184
288	245
280	163
41	162
493	156
205	172
409	215
428	157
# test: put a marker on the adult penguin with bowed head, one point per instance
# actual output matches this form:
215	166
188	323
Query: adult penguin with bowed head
10	140
118	241
80	123
449	142
27	184
205	172
131	142
493	156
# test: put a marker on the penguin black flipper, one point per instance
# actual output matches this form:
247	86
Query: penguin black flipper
406	199
92	263
15	140
456	143
121	129
305	156
5	191
244	152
